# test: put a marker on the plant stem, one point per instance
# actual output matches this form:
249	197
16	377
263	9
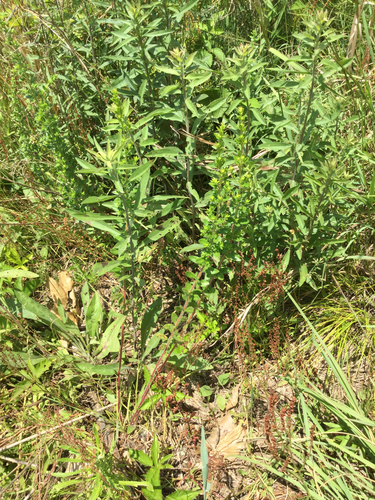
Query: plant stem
132	251
311	95
188	171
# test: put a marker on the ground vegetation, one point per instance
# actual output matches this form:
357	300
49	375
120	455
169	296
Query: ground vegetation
187	292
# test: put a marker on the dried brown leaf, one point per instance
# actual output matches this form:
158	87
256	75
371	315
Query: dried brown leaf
63	290
232	443
65	281
57	292
233	400
227	438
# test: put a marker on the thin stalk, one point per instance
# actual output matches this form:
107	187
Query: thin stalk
188	171
165	7
311	95
161	361
248	116
132	251
151	96
322	196
56	427
63	38
118	374
90	33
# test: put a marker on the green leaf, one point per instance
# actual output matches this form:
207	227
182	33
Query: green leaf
218	103
191	248
70	332
290	192
254	103
155	450
159	33
17	273
276	146
149	321
140	171
150	116
98	486
153	476
160	153
189	60
20	388
141	457
167	227
285	260
258	116
94	316
90	169
191	106
224	378
142	89
183	495
142	188
64	485
278	54
358	257
86	165
204	460
85	297
372	186
110	342
152	344
206	391
168	90
151	401
198	78
302	274
301	224
137	484
100	269
91	216
106	370
292	61
220	401
96	220
97	199
41	367
180	14
19	359
168	70
219	54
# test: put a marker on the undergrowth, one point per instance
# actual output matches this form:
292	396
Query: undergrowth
186	252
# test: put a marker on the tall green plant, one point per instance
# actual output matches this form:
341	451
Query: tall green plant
299	202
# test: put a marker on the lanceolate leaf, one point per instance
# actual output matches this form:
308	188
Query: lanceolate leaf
188	6
110	341
171	151
70	332
218	103
94	316
150	116
198	78
105	370
97	199
17	273
19	359
149	320
155	450
183	495
204	459
96	220
141	457
140	171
